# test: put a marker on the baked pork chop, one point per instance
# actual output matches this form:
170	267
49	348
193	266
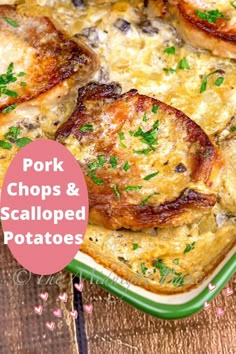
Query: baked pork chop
146	163
207	24
35	57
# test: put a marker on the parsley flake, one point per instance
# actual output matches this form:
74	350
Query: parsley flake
147	178
210	16
183	64
155	108
143	268
5	145
126	166
122	137
11	22
9	108
170	50
133	188
113	161
135	246
176	261
169	70
189	247
218	82
117	193
233	129
86	128
97	180
147	199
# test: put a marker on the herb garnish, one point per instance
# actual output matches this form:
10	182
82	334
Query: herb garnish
183	64
155	108
132	188
219	81
6	79
147	199
149	137
143	268
209	16
122	137
142	152
113	161
145	117
126	166
135	246
169	70
177	278
189	247
11	22
233	129
101	161
9	108
170	50
97	180
12	137
117	193
86	128
176	261
147	178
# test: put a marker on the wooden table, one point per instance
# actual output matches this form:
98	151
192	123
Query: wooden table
118	328
114	327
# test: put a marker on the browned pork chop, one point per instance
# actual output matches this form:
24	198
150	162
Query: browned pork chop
35	57
203	25
146	163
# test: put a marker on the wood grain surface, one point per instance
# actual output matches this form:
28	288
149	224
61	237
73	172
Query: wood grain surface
115	327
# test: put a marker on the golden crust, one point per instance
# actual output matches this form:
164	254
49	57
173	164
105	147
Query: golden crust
45	55
218	37
161	145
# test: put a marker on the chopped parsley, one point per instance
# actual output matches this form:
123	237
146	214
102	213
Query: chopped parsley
209	16
97	180
101	161
233	129
170	50
149	137
135	246
219	81
145	117
117	193
11	22
6	79
9	108
142	152
176	261
183	64
93	165
126	166
177	278
5	145
233	3
86	128
169	70
155	108
23	142
23	84
113	161
189	247
12	137
133	188
147	199
143	268
122	138
147	178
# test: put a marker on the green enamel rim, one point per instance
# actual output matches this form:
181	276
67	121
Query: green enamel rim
164	311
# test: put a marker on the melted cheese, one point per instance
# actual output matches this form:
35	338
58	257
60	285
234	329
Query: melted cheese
136	60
